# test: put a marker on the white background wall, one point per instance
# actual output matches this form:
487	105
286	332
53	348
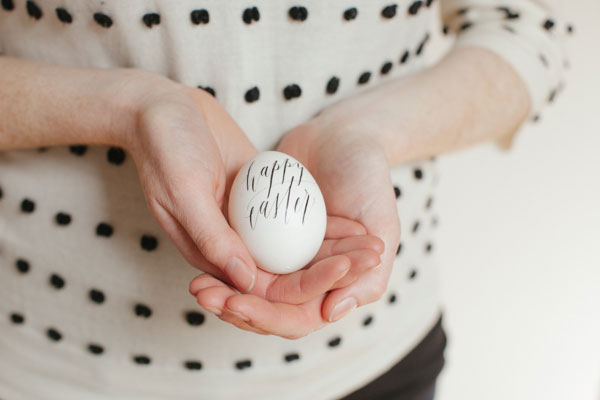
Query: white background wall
519	248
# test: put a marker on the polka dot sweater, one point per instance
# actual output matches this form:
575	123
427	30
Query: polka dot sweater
93	296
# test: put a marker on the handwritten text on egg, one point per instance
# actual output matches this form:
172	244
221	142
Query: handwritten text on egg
274	191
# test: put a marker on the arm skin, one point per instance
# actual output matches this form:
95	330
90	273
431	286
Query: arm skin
471	96
44	104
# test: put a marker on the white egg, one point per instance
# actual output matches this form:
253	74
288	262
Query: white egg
277	208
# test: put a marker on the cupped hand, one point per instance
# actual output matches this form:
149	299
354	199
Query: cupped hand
187	150
354	176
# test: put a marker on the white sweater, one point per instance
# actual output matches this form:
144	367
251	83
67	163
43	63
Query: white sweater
90	310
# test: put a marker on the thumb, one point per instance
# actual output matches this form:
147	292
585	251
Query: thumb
204	222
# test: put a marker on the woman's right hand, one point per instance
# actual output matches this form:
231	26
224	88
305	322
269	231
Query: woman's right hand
187	150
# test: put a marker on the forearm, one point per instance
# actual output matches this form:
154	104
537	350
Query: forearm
471	96
44	104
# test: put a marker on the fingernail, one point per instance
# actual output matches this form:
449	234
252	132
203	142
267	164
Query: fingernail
213	310
240	273
342	308
239	315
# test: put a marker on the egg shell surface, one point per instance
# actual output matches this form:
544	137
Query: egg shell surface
277	208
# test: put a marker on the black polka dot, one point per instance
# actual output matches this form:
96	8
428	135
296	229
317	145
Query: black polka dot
97	296
428	3
465	26
412	274
428	203
22	266
350	14
414	7
64	16
422	45
368	320
194	318
386	68
292	91
142	310
298	13
415	227
115	155
103	20
334	342
544	60
252	95
399	249
548	24
397	192
428	248
151	19
27	206
148	242
95	349
53	334
418	173
570	29
291	357
193	365
508	28
536	118
209	90
445	30
332	85
17	318
62	218
404	57
250	14
462	11
392	298
364	78
33	10
200	16
552	95
141	360
243	364
104	229
8	5
57	281
389	11
78	150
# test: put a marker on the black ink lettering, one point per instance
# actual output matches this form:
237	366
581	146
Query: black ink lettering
305	207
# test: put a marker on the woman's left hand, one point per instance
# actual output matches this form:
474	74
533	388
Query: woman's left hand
354	176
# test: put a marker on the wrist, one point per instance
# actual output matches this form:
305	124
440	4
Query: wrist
125	94
351	125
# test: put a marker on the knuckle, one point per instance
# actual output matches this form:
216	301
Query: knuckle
207	243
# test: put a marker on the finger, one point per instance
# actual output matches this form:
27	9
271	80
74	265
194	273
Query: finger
204	281
362	260
285	320
206	225
340	227
341	246
213	300
182	241
305	284
369	287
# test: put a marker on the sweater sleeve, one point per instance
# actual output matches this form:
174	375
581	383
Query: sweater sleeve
528	34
